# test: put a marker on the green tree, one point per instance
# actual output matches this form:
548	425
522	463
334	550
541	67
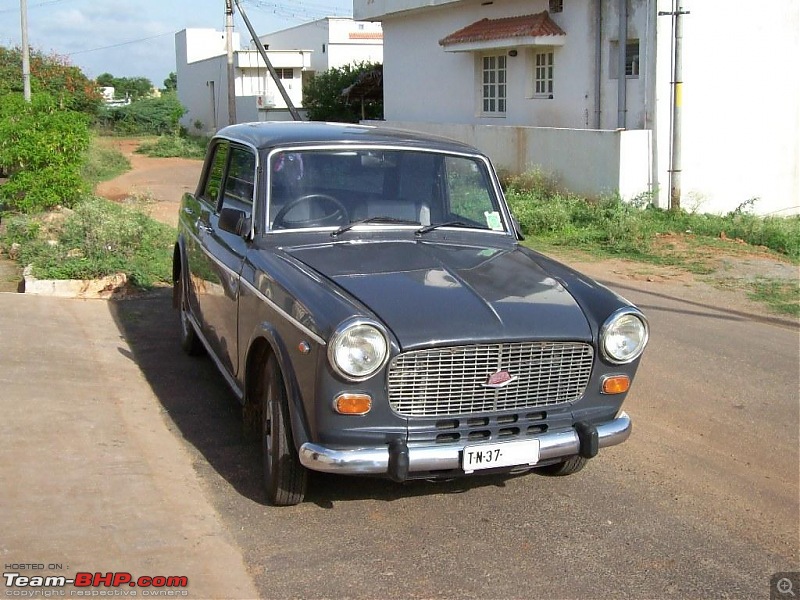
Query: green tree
323	98
105	80
42	149
171	83
51	74
134	88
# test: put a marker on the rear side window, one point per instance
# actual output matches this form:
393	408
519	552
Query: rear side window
214	177
240	182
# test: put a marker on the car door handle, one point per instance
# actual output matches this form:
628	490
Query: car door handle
203	226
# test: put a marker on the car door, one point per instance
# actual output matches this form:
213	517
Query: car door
223	254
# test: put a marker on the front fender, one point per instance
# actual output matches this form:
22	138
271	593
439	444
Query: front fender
269	335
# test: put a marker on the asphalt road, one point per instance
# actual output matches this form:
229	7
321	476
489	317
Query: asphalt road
702	501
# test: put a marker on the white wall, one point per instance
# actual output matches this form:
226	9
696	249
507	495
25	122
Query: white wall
585	161
354	42
741	105
205	102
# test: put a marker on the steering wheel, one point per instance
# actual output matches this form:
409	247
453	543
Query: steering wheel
336	213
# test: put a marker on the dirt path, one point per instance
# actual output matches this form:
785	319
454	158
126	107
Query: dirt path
160	181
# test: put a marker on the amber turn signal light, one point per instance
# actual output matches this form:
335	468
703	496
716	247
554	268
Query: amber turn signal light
616	384
352	404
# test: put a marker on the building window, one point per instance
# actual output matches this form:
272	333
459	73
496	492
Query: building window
494	74
556	6
543	75
631	59
285	73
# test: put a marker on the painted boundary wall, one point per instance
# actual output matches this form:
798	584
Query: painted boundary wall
588	162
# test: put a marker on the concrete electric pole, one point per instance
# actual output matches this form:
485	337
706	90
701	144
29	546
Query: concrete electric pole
231	69
26	51
677	103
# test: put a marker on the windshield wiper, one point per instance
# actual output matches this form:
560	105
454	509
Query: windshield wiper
429	228
392	220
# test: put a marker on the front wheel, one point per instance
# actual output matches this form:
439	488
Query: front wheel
284	477
567	467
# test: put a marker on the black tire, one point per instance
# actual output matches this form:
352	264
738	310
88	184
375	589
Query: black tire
284	477
190	341
567	467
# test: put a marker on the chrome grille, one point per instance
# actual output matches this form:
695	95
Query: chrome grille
453	380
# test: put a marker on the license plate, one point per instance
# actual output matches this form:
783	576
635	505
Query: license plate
503	454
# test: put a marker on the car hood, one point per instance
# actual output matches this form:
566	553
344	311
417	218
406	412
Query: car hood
447	293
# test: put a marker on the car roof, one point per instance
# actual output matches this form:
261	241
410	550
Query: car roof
266	135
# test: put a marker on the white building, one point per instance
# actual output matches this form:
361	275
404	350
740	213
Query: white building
333	42
296	54
535	82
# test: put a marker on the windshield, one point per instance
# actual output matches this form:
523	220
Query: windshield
337	188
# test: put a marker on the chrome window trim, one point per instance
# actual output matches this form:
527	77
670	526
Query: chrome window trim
495	184
253	218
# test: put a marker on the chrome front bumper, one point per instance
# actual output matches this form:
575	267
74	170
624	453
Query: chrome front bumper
375	461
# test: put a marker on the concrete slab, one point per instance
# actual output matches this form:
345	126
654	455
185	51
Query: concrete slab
93	480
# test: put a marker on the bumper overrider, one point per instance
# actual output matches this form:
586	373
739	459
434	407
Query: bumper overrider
397	460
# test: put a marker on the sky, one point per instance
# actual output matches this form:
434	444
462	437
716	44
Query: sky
136	38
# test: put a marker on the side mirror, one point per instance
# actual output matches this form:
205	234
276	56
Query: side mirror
234	221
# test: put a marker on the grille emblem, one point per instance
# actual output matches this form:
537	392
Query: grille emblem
499	380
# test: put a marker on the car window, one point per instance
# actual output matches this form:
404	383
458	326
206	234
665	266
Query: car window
324	188
240	180
213	182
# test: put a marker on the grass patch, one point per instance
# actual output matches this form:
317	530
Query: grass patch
780	295
95	239
636	229
104	161
175	146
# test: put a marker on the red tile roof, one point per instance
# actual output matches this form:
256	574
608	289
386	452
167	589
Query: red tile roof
366	35
484	30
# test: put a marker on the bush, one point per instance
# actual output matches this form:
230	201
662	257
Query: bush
153	116
170	146
96	239
42	149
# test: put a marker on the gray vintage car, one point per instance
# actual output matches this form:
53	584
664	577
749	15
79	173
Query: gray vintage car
364	293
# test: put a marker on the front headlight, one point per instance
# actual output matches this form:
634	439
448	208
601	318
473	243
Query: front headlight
358	349
624	336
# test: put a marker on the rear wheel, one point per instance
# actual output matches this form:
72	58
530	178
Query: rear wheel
284	477
567	467
190	341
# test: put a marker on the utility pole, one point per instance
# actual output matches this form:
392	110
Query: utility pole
273	74
677	103
622	56
231	69
26	51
